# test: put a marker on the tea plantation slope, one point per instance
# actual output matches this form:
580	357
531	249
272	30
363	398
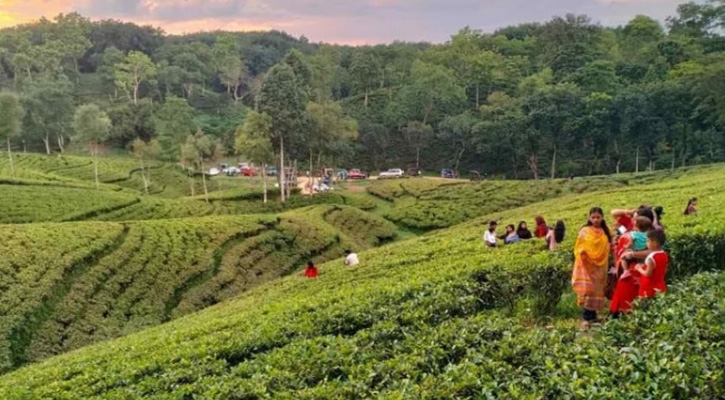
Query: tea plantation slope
426	319
61	292
166	180
433	203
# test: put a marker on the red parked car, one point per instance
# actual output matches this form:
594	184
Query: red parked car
249	171
356	174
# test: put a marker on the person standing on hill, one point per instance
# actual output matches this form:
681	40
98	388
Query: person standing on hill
351	259
311	270
541	228
556	235
523	231
489	237
591	252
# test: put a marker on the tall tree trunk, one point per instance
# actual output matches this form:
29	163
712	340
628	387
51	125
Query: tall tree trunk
10	157
636	161
311	183
135	94
60	143
478	96
95	165
619	158
264	182
533	164
288	187
417	158
458	160
46	141
515	167
553	163
203	179
145	181
672	167
191	182
281	171
367	96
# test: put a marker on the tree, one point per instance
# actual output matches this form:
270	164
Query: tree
11	119
135	69
418	135
131	122
49	109
284	100
174	122
364	70
330	130
432	93
504	133
107	68
92	127
144	151
553	112
253	141
204	150
376	139
229	64
458	132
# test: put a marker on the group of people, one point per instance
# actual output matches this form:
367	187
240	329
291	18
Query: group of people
620	265
351	260
553	235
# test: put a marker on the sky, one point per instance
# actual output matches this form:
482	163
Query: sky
338	21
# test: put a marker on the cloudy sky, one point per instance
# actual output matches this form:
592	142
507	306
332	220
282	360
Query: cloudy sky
339	21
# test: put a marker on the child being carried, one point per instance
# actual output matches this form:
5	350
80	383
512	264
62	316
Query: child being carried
639	243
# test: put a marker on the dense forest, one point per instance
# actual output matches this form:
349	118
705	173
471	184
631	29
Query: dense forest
536	100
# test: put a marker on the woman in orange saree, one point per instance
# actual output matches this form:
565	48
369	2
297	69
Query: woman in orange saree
591	253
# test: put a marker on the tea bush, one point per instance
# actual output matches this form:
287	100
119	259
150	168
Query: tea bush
435	317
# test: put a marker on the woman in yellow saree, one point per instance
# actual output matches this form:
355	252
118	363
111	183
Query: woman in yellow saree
591	253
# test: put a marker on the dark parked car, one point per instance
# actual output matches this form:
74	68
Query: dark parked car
448	174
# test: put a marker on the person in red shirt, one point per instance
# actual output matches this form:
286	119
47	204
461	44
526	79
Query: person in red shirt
311	270
654	269
541	228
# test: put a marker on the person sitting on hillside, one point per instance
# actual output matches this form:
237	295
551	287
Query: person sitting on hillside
541	228
523	232
511	236
555	235
311	270
691	206
654	269
351	259
489	237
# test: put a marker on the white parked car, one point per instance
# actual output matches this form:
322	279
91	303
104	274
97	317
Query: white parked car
392	173
233	171
214	172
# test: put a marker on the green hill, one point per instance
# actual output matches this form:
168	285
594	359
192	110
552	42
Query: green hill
434	317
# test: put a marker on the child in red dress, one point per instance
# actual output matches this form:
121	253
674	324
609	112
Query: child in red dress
654	269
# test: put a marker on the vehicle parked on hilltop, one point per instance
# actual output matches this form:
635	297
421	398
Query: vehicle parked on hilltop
214	172
249	171
356	174
233	171
448	174
392	173
414	172
271	171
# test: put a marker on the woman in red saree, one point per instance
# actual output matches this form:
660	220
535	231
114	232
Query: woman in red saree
628	281
591	252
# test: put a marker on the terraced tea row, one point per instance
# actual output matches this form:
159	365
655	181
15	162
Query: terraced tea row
120	278
428	317
433	204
